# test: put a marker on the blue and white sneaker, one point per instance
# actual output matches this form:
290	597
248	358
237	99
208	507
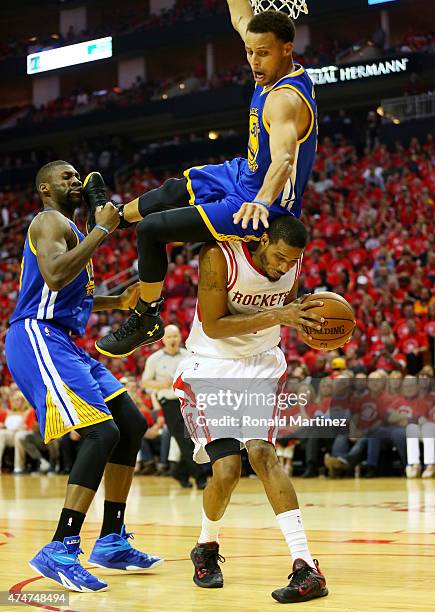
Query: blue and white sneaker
114	551
59	561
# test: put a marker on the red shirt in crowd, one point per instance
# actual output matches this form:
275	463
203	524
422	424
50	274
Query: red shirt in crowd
413	408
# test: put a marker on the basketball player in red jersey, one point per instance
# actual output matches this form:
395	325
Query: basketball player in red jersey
233	347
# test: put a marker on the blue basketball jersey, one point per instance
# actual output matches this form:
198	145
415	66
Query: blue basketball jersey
69	308
259	158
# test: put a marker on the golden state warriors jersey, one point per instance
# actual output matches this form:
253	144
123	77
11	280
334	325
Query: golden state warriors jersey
69	308
259	158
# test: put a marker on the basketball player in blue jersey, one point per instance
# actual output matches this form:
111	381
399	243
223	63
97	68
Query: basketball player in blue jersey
230	201
68	389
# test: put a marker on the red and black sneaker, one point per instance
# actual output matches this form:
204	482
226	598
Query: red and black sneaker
306	583
205	558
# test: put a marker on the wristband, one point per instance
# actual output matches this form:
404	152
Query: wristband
105	230
262	203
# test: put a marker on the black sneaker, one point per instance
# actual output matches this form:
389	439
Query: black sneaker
306	583
143	326
94	194
205	558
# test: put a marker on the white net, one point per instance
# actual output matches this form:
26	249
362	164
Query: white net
291	7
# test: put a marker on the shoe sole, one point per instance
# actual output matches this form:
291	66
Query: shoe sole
307	597
75	590
130	568
103	352
206	586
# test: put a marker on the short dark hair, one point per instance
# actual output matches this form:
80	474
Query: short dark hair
44	173
289	229
273	21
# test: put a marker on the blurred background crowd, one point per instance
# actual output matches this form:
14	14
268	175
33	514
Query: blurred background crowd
369	209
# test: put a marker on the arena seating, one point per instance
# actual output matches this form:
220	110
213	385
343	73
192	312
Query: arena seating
370	221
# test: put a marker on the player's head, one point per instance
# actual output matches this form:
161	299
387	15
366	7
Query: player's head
172	338
376	381
410	387
58	184
269	45
281	247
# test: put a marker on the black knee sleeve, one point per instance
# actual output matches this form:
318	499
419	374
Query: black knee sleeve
172	194
131	424
159	229
222	448
98	443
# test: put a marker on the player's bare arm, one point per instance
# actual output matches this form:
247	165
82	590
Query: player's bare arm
217	322
289	119
241	14
60	258
127	299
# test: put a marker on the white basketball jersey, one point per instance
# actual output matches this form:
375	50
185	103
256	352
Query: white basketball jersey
249	292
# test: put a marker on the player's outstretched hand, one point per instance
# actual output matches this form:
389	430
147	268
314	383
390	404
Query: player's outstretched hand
129	298
297	314
107	216
254	211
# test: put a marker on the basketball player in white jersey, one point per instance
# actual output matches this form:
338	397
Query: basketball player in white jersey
245	292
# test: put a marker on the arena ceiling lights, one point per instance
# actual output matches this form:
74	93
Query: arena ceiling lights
71	55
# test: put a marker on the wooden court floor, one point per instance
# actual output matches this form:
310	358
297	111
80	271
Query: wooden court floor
375	540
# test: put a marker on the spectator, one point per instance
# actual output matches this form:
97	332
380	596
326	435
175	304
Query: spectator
13	424
158	374
33	444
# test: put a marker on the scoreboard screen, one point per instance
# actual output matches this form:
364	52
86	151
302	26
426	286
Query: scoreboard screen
71	55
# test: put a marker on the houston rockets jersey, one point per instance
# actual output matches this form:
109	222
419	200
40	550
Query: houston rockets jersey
249	292
69	308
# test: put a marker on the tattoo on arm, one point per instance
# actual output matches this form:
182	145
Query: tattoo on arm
209	279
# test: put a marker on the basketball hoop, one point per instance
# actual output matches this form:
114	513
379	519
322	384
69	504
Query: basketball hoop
291	7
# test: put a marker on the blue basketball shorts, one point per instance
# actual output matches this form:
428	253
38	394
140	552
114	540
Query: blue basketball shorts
216	193
67	387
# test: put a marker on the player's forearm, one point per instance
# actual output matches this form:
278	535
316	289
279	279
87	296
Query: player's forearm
240	10
106	302
147	383
66	267
238	325
276	177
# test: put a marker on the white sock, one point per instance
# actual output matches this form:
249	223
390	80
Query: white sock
429	451
209	529
413	451
292	528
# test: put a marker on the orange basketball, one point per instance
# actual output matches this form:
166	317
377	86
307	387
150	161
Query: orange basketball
339	321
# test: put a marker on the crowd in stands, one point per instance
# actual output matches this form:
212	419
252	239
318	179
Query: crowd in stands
370	218
123	20
86	100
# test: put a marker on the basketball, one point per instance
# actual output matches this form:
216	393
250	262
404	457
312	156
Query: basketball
339	321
